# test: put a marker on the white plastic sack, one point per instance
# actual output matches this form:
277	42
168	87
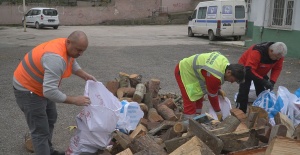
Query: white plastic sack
131	114
267	101
288	102
225	107
252	94
95	122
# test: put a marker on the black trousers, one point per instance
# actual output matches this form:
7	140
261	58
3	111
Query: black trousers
242	98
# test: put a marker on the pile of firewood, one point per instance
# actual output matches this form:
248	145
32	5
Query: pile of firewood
161	130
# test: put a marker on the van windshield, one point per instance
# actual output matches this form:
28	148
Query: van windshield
50	12
239	11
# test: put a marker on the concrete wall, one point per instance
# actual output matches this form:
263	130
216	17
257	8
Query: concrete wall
122	9
178	5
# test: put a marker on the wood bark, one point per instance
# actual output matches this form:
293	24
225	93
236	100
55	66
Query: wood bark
113	86
166	112
124	79
193	147
153	116
169	103
174	143
135	79
146	143
213	142
229	124
153	87
163	125
139	93
125	92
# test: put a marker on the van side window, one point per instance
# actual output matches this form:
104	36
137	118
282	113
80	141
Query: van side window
202	13
239	11
194	14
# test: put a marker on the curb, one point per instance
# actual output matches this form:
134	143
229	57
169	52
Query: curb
234	44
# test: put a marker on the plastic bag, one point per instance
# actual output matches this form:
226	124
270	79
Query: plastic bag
225	107
95	122
252	94
267	101
131	114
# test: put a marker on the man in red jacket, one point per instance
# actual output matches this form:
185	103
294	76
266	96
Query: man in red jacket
259	60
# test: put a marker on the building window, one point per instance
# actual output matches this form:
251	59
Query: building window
282	15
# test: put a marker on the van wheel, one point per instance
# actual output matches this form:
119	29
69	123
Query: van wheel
190	32
37	25
211	35
236	38
55	27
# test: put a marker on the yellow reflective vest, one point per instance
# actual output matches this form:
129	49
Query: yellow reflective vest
190	72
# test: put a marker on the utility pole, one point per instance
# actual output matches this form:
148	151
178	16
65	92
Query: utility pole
24	21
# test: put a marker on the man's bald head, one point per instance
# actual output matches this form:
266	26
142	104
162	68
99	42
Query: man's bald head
76	43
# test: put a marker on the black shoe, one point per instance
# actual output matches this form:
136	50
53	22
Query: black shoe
55	152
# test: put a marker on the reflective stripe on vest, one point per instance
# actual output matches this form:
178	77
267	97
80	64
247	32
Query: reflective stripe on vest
38	79
201	82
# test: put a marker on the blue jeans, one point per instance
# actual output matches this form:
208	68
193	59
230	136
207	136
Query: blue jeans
41	115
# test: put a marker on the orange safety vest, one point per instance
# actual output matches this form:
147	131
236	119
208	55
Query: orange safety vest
30	72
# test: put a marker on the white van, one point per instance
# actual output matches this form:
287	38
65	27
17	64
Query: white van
42	17
224	18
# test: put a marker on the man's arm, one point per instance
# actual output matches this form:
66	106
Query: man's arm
84	75
251	65
54	66
213	85
275	72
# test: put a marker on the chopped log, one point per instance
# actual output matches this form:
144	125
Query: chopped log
145	109
253	139
156	101
144	122
182	126
139	130
278	130
260	122
153	116
283	119
148	100
169	103
297	132
113	86
283	146
126	98
213	142
124	79
125	152
238	113
164	125
251	120
135	79
166	112
257	150
152	125
229	124
146	143
193	147
170	134
123	139
174	143
153	87
139	93
242	127
262	113
143	152
237	134
125	92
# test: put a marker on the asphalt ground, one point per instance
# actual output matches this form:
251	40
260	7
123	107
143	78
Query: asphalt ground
152	51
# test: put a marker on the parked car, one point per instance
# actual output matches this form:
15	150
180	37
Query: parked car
221	18
41	17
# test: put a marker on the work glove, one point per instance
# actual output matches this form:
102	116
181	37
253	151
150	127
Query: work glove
219	115
268	84
222	93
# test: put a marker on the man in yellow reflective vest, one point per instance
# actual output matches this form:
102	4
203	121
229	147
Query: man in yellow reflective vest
202	74
36	81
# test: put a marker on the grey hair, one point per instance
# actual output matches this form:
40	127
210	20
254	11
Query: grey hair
279	48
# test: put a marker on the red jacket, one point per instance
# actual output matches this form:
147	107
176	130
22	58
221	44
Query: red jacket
258	63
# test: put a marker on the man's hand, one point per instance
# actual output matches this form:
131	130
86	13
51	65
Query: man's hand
268	84
222	93
90	77
219	115
78	100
